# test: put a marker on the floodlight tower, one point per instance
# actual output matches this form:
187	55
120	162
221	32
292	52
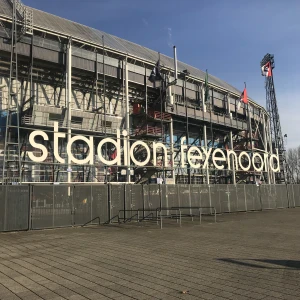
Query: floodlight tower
267	65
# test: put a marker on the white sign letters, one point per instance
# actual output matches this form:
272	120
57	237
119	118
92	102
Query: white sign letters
196	157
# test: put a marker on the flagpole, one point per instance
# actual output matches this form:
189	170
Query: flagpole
250	128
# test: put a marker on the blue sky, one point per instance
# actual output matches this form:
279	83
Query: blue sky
227	37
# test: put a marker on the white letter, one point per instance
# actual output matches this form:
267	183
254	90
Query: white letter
243	153
117	160
207	154
89	158
272	157
162	146
231	152
38	146
57	135
138	163
215	159
125	147
261	161
183	147
190	156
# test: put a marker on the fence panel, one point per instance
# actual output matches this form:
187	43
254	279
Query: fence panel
184	198
241	199
172	197
252	194
268	196
42	203
205	198
152	195
215	198
128	200
296	188
233	207
17	207
224	197
63	206
82	204
137	201
195	195
2	208
281	196
100	202
290	191
117	201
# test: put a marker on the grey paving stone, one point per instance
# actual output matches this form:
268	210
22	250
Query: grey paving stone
243	256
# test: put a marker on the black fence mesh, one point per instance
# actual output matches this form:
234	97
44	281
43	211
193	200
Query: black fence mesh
49	206
15	207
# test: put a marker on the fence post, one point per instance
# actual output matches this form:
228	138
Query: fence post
228	198
259	192
5	208
143	198
29	207
53	205
109	201
245	195
92	204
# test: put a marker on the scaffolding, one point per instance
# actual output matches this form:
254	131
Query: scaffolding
92	90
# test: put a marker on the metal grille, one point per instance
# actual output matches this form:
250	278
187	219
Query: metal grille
205	199
172	197
268	196
281	196
82	204
17	208
63	205
100	202
224	196
117	201
152	196
42	205
241	198
2	208
62	209
296	194
184	198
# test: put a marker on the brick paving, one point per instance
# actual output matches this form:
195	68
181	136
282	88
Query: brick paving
243	256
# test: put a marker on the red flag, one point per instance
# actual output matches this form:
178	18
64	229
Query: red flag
266	70
244	97
113	155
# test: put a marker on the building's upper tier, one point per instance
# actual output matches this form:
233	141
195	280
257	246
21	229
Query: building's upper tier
65	28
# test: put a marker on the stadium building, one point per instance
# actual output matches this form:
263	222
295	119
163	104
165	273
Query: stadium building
123	112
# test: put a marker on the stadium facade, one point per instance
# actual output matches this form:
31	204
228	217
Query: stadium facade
80	105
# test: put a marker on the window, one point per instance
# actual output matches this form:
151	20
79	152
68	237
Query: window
54	117
108	124
76	120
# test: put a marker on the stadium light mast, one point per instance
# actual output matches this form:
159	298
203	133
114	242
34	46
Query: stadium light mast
267	65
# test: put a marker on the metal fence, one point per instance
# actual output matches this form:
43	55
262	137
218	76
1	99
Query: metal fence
14	208
49	206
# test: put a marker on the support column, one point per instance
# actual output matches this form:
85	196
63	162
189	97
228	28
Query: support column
233	162
266	146
127	125
228	106
205	142
69	102
271	150
203	98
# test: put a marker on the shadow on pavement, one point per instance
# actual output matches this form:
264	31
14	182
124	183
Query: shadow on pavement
264	263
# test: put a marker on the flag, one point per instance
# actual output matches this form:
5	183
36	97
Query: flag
266	70
243	98
113	155
155	74
206	98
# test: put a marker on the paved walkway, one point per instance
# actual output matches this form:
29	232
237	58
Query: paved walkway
243	256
